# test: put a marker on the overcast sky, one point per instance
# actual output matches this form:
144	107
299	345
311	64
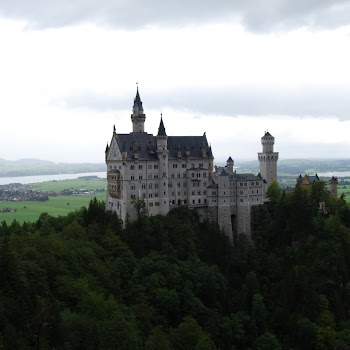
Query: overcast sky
232	69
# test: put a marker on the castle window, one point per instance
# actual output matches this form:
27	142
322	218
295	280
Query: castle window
205	200
224	193
193	193
204	192
151	204
192	175
156	204
173	201
150	195
252	183
174	166
172	176
132	167
132	177
156	176
257	191
201	165
178	184
199	201
245	184
140	177
184	165
155	166
199	193
170	185
156	195
241	183
143	186
150	186
241	192
179	193
204	174
185	201
164	174
193	202
132	187
149	166
156	186
185	184
257	199
257	183
150	176
132	196
173	194
241	200
140	166
213	193
143	195
198	175
204	184
178	175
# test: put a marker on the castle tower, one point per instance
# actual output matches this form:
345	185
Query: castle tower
138	117
163	155
229	164
268	159
333	186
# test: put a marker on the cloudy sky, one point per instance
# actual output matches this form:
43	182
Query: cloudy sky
230	68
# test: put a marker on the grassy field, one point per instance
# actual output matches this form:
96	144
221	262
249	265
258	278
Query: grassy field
58	186
62	205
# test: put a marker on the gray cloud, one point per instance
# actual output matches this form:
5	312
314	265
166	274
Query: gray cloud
263	15
312	101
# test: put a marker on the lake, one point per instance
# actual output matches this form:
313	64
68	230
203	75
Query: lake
44	178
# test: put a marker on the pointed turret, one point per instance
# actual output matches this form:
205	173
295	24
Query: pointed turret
137	108
161	129
138	117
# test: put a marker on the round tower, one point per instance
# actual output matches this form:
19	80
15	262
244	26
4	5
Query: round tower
268	159
229	165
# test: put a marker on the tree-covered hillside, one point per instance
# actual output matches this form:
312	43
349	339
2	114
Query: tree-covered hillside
83	282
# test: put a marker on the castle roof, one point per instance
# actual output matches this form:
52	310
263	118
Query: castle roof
146	145
267	134
161	129
229	159
138	102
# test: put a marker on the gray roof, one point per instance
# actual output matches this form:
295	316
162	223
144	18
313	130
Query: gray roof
161	129
138	102
146	145
245	177
267	134
194	144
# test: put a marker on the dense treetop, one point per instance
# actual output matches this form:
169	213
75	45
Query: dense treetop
174	282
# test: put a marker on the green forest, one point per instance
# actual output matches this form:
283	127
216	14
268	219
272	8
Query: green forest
82	281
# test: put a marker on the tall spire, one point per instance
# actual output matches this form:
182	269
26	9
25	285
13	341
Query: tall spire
137	108
138	117
161	129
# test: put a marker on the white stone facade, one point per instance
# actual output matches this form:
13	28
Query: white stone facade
168	171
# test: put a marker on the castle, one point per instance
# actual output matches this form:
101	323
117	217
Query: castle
169	171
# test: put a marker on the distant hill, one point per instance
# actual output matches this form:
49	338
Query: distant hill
30	166
300	166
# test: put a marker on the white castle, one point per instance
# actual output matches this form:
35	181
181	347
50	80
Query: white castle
169	171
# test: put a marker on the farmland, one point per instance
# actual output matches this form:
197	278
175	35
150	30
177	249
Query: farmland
80	194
